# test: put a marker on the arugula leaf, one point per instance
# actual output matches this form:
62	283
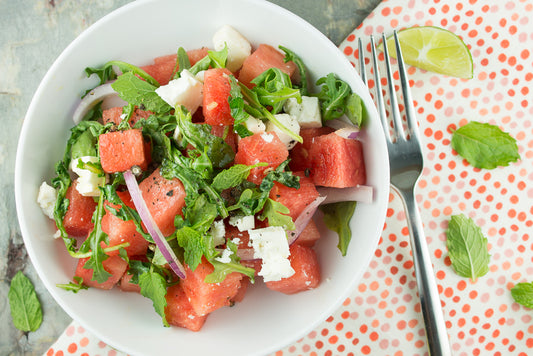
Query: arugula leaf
182	62
276	213
219	152
222	269
484	145
337	218
61	182
215	59
139	92
154	286
522	293
106	72
254	107
75	286
182	168
92	246
158	129
467	247
354	109
273	87
336	99
25	306
291	56
236	105
125	213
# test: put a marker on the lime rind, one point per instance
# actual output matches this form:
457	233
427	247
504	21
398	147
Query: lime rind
434	49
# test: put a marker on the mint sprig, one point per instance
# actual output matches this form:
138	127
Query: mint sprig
467	247
25	306
522	293
484	145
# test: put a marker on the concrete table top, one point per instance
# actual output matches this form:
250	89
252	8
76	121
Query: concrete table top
33	34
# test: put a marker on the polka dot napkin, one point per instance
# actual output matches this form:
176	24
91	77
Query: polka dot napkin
382	315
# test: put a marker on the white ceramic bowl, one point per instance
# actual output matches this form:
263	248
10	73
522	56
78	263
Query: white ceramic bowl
265	321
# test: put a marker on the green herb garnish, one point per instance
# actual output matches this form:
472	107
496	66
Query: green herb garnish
467	247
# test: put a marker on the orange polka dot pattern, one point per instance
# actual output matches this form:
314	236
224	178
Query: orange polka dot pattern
382	315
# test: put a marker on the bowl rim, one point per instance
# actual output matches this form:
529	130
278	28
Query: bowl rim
53	290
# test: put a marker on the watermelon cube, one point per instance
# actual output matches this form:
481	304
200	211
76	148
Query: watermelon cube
121	150
337	162
179	311
125	284
299	155
115	265
217	89
261	147
307	272
296	200
207	297
114	115
309	236
78	218
164	199
263	58
120	231
164	67
226	132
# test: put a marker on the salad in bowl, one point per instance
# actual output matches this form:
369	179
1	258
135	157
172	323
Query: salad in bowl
223	183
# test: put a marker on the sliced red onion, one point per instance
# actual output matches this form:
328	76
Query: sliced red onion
360	193
151	226
338	124
343	129
246	254
303	219
91	99
350	133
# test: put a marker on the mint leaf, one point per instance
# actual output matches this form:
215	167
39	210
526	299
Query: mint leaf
467	247
522	293
233	176
25	306
193	244
154	286
484	145
139	92
337	218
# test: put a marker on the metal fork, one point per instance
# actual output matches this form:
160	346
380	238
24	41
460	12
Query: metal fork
406	163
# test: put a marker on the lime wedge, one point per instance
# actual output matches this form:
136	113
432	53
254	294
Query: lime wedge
434	49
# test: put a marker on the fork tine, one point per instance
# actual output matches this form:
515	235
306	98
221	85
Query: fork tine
362	69
412	123
380	101
395	111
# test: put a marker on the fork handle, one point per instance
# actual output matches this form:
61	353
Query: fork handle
437	338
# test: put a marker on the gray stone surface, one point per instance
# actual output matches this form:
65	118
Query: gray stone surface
33	34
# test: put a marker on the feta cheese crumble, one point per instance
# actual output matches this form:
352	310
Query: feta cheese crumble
238	46
307	113
290	123
88	181
270	244
218	232
254	125
243	223
47	199
226	256
187	90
